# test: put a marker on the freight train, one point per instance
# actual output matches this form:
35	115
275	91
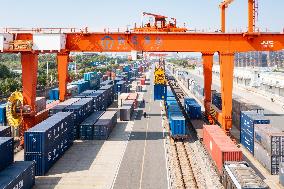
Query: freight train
223	151
266	146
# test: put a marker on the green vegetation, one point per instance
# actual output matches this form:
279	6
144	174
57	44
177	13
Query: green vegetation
11	80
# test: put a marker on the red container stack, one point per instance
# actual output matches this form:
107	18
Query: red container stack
220	146
133	96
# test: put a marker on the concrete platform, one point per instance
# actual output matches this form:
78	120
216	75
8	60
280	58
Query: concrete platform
144	161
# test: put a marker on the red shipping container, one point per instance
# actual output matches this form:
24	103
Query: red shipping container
108	73
133	96
142	81
105	77
220	146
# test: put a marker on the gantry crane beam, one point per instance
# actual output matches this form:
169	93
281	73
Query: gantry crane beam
226	44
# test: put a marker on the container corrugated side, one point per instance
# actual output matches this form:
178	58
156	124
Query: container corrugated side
20	174
270	162
87	126
220	146
6	152
177	126
5	131
271	138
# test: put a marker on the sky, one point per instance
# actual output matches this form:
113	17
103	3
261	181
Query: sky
113	14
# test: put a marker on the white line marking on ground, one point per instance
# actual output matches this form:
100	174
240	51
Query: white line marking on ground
143	160
121	158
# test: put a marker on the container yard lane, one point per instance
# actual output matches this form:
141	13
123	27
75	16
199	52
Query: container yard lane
144	164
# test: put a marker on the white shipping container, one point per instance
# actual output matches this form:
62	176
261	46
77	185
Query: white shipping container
5	38
121	98
49	42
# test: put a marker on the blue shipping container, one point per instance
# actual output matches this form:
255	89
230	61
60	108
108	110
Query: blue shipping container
46	142
248	120
177	126
160	92
19	175
3	119
5	131
6	152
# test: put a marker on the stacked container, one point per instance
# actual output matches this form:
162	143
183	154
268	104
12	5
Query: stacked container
120	87
134	97
220	146
46	142
5	131
192	108
80	111
87	126
217	100
248	120
20	174
6	151
72	90
40	104
3	119
269	146
93	79
160	92
126	110
62	105
104	125
109	92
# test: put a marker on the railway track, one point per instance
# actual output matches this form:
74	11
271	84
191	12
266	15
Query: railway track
186	178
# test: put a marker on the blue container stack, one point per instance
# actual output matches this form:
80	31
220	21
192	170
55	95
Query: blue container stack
46	142
93	79
160	92
6	152
87	126
248	120
120	87
192	108
104	125
82	85
5	131
80	111
109	91
3	119
20	174
54	94
99	100
217	100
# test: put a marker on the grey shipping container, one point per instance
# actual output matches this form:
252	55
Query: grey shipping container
281	173
270	162
19	175
125	113
5	131
271	138
240	175
40	104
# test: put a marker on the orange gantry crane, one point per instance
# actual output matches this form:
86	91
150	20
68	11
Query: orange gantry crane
62	43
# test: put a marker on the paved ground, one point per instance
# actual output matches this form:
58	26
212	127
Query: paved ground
144	162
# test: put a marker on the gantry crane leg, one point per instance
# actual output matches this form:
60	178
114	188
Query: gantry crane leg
29	80
62	64
226	76
207	72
